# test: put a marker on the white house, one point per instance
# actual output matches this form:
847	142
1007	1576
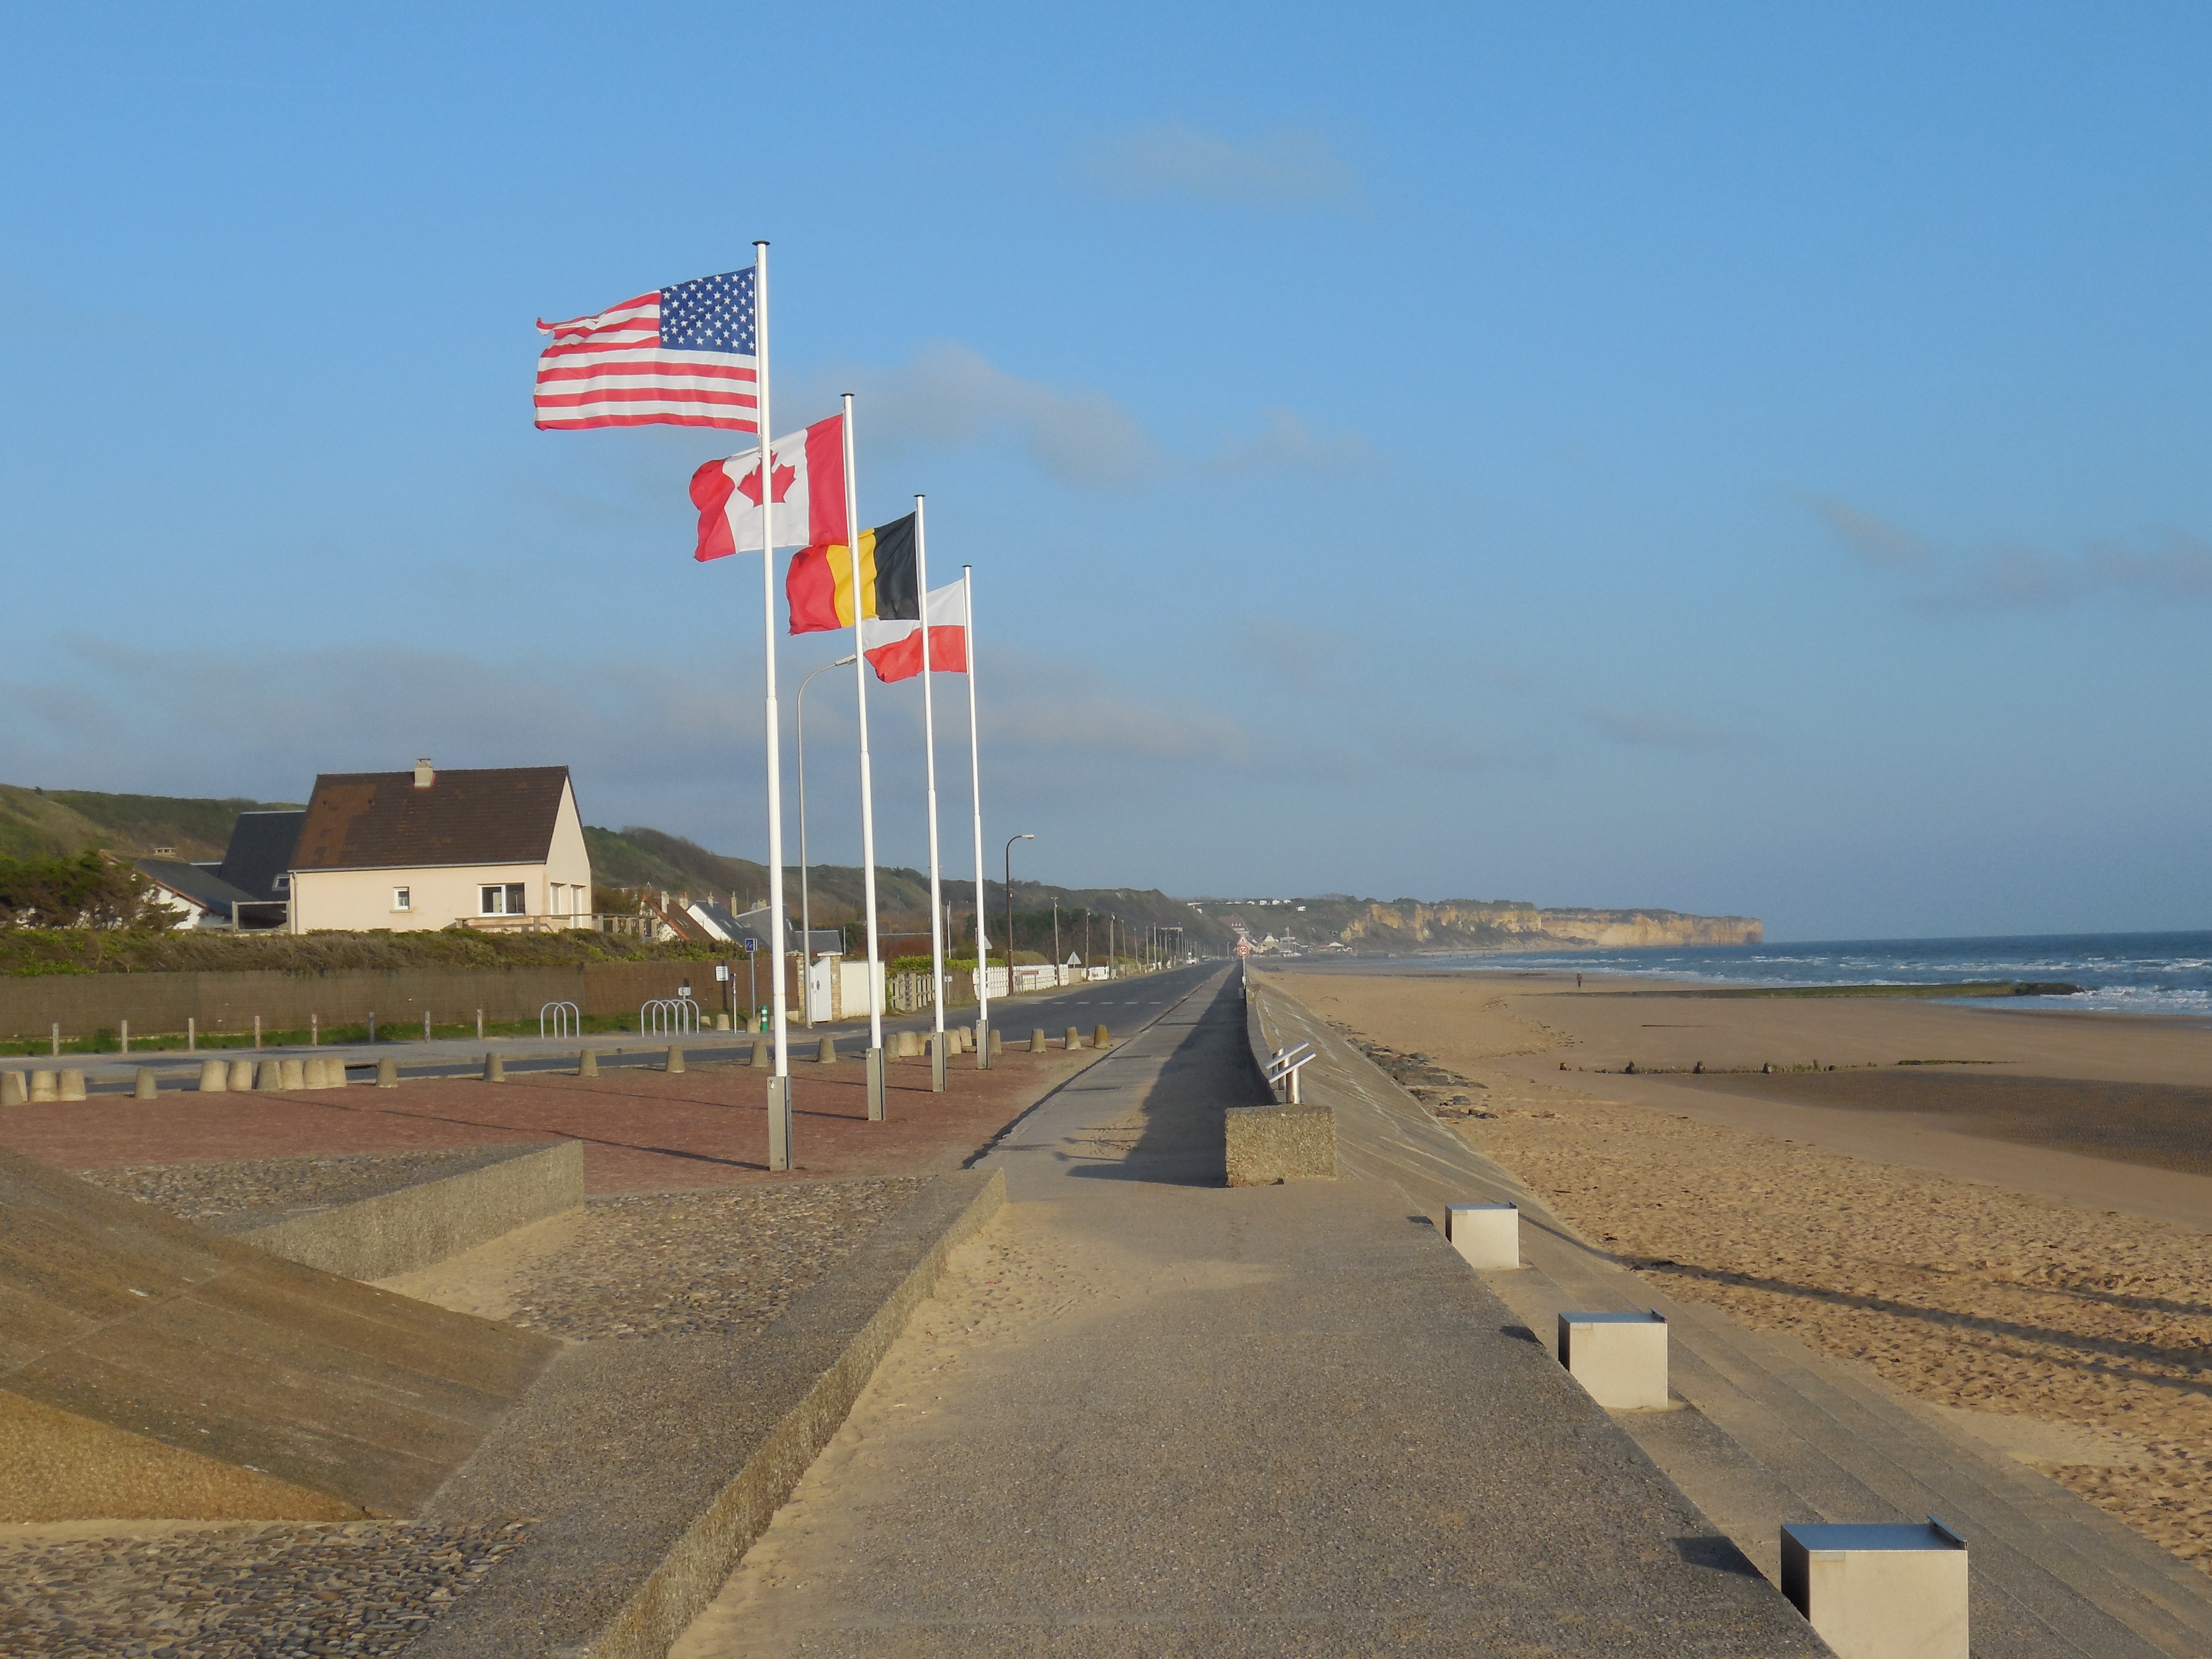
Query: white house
499	847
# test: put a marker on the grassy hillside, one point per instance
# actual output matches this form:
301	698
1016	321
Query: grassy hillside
61	823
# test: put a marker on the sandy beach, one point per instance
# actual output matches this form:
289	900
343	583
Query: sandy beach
2007	1215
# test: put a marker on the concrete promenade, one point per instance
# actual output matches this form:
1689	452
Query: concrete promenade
1147	1414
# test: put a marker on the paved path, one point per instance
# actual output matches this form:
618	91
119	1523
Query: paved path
1147	1414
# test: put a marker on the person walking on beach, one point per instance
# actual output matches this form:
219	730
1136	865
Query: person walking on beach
1578	981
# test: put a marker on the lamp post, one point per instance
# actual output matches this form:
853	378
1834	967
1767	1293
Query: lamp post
1010	840
806	912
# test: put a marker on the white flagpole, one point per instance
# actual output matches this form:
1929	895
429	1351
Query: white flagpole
779	1088
867	785
975	795
929	769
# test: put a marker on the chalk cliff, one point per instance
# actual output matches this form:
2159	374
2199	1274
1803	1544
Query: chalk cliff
1470	925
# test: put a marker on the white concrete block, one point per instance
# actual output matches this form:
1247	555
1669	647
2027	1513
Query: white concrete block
1620	1359
1487	1235
1880	1592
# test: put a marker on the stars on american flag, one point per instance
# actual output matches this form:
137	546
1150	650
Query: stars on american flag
714	313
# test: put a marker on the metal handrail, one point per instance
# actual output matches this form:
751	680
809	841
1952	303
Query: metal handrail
568	1020
1287	1063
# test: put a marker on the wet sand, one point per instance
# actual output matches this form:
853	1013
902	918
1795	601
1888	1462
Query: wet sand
2023	1241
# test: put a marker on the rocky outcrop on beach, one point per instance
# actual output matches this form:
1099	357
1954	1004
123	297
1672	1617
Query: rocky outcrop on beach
1502	924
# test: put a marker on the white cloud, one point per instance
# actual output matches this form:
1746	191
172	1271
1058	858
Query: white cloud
950	394
677	743
1287	443
1652	728
1290	167
1874	540
2176	568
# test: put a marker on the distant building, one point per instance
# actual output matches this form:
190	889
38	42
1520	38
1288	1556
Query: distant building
195	891
718	923
497	847
258	864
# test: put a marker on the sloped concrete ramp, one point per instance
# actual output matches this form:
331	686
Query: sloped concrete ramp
150	1370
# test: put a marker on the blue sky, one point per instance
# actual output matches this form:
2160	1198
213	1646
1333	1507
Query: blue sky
1729	457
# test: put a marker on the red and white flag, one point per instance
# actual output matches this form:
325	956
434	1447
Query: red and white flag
807	510
894	648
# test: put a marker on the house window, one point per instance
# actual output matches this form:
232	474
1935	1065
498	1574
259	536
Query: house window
403	898
282	884
505	901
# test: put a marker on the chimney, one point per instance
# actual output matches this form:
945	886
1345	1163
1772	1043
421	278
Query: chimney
424	777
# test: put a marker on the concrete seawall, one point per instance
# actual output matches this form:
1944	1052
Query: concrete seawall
396	1232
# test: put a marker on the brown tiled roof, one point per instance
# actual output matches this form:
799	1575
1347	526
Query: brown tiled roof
380	820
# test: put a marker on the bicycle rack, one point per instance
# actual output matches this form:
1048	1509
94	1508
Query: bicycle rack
567	1021
669	1017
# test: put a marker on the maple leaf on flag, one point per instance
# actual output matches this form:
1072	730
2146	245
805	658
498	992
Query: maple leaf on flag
748	486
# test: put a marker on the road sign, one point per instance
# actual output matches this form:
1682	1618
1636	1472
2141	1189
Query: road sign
751	946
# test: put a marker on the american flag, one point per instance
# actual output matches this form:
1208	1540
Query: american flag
682	355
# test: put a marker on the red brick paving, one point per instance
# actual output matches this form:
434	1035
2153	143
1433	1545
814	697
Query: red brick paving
641	1131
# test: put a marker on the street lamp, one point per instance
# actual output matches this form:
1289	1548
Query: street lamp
1010	840
805	911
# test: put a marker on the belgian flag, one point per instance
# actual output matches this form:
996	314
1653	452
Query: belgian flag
820	584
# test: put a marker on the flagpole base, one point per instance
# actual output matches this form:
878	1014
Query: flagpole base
875	1085
936	1063
779	1123
983	1045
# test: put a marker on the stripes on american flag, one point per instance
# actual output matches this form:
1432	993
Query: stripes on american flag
682	355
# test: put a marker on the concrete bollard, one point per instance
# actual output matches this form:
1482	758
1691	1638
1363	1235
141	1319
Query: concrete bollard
1883	1591
311	1072
674	1064
14	1089
761	1058
1487	1235
721	1021
494	1069
911	1045
72	1083
44	1085
998	1043
1074	1041
143	1086
387	1072
268	1076
1037	1041
587	1063
1619	1359
1100	1040
241	1076
291	1074
826	1055
214	1077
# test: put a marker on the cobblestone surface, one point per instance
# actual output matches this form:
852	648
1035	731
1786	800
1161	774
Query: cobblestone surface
243	1593
208	1193
719	1263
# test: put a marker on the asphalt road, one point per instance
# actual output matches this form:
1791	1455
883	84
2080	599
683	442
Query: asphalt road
1121	1005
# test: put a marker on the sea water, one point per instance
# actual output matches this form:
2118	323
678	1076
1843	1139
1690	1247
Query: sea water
2129	973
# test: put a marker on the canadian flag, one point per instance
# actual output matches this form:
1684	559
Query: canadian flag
807	470
893	648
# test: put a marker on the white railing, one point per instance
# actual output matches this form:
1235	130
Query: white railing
1286	1065
668	1017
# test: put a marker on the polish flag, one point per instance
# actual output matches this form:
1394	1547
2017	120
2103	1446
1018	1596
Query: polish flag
807	509
894	648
